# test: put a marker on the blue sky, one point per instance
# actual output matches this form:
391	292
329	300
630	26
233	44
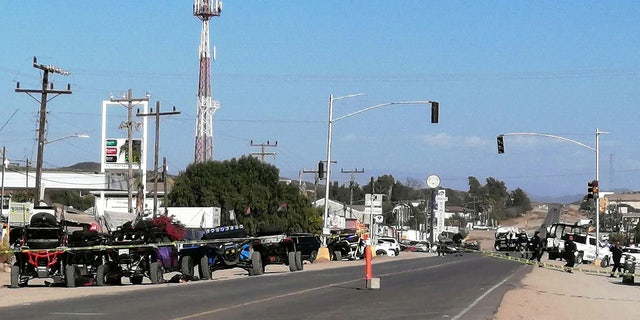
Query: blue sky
561	68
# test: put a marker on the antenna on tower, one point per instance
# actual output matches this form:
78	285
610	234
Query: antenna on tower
206	106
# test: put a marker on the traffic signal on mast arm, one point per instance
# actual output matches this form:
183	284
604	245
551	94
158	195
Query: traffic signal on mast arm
435	111
320	170
500	144
592	189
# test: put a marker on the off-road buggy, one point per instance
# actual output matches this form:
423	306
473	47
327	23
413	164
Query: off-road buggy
84	256
222	248
275	247
139	249
350	246
39	251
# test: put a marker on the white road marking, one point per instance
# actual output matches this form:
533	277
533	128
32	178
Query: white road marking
480	298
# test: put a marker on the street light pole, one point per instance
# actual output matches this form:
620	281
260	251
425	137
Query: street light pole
434	105
325	230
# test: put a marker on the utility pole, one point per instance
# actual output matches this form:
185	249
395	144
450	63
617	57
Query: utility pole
157	115
47	88
315	183
129	125
164	181
262	153
351	183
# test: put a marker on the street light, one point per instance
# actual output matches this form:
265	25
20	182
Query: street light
325	229
596	150
76	135
39	163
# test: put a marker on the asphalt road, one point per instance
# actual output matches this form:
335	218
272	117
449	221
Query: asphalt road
455	287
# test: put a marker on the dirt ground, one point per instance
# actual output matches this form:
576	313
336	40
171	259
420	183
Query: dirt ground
544	293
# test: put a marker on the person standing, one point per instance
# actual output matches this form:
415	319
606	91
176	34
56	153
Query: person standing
616	254
536	247
570	249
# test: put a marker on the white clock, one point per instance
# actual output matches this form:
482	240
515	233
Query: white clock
433	181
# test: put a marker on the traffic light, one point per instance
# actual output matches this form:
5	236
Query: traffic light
500	144
320	170
435	111
592	190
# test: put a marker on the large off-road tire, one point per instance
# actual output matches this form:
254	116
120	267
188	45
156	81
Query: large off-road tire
313	256
496	247
102	275
71	275
299	264
256	264
136	279
292	261
186	266
204	269
627	279
15	277
337	255
156	272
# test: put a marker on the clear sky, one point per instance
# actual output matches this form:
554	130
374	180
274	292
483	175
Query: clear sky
563	68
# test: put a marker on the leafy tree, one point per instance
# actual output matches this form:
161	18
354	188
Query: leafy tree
251	189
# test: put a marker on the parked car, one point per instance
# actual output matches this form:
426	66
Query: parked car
308	244
415	246
387	246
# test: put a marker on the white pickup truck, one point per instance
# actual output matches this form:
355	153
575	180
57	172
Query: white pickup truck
586	244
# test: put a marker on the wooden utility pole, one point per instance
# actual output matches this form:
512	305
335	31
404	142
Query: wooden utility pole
157	115
262	153
351	182
46	89
129	125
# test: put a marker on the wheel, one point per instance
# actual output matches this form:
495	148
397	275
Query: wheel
102	275
15	277
579	259
299	264
292	261
204	269
156	272
381	252
627	279
136	279
71	275
338	255
497	247
256	264
605	262
313	256
186	266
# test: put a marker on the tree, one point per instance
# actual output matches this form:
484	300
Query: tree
251	189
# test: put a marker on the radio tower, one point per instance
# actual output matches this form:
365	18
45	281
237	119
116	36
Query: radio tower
204	10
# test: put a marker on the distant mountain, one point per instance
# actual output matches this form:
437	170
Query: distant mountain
568	199
84	166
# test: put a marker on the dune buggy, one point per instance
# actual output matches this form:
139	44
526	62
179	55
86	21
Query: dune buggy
139	250
39	251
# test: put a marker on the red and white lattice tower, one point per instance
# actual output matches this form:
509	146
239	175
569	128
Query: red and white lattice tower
204	10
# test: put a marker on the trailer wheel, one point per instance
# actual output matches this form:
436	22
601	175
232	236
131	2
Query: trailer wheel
292	261
256	264
102	275
338	255
71	275
313	256
136	279
15	277
299	264
186	266
156	273
204	269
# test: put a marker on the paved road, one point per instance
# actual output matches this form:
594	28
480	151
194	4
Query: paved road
466	287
